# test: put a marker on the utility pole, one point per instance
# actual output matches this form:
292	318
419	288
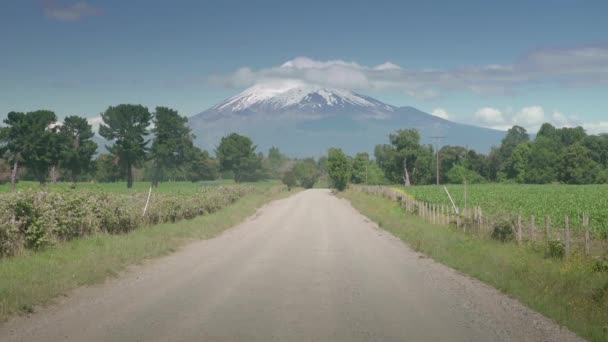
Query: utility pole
437	141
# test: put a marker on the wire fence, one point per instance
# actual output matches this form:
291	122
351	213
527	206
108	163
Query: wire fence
561	238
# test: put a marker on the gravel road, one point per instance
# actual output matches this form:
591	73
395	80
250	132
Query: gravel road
305	268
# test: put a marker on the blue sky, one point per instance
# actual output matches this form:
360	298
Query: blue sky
487	63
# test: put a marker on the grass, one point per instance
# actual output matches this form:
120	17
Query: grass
569	291
121	187
555	200
36	278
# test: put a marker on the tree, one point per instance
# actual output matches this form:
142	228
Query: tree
12	141
458	174
306	172
405	158
171	144
201	165
289	179
275	162
107	168
360	169
338	168
127	126
236	153
577	167
40	144
515	136
78	149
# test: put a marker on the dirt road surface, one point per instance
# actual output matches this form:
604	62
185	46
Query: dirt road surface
306	268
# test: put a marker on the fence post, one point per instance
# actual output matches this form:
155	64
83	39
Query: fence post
567	235
519	229
532	227
548	227
587	237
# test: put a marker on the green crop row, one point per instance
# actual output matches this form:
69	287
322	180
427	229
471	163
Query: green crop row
554	200
36	219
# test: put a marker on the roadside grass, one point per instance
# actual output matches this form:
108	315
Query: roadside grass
36	278
569	291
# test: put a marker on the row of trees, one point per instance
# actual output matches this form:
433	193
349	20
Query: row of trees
157	145
565	155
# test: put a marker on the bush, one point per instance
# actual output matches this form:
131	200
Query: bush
33	220
556	249
289	179
600	264
503	231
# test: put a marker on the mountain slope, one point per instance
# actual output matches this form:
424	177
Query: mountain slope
305	120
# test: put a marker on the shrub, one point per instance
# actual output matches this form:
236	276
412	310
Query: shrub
503	231
556	249
33	220
600	264
289	179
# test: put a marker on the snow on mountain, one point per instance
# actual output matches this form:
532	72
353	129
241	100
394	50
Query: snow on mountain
292	95
304	120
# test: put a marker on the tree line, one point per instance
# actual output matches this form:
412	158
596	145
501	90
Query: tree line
555	155
154	146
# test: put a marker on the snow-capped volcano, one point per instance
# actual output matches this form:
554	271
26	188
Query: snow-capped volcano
296	95
304	120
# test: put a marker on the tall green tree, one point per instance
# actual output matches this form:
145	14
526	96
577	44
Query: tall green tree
78	148
12	141
171	144
405	159
236	153
338	168
360	169
127	126
41	143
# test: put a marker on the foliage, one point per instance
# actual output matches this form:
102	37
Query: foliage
289	179
338	168
126	126
236	153
172	143
405	150
306	172
201	165
78	151
502	231
458	174
35	219
556	249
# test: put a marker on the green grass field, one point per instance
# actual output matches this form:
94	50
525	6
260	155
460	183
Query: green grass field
569	291
121	187
555	200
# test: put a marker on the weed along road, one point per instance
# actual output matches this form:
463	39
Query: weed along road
305	268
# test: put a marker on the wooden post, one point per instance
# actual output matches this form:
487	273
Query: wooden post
587	237
519	229
548	228
532	227
567	235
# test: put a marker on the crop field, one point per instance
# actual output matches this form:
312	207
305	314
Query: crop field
554	200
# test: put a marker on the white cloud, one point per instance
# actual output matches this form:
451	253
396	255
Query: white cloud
72	12
490	117
95	122
533	116
560	67
441	113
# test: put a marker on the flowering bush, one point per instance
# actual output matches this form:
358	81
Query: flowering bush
35	219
